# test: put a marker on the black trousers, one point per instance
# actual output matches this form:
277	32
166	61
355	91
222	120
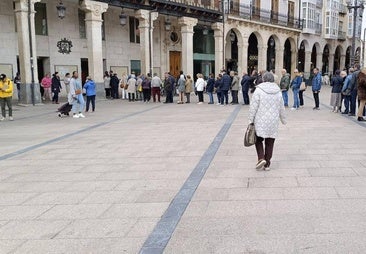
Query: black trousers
115	92
265	152
147	94
234	94
169	97
316	99
245	91
200	96
301	97
224	97
55	97
107	92
131	96
88	100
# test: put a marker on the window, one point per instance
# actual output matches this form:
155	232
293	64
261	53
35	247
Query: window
82	26
134	30
136	66
40	19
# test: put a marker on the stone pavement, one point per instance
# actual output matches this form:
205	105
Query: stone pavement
111	183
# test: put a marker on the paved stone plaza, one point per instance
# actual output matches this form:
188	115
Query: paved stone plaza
112	182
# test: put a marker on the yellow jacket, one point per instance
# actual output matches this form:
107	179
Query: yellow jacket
8	91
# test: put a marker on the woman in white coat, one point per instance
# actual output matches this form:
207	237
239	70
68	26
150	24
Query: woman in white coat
200	86
266	111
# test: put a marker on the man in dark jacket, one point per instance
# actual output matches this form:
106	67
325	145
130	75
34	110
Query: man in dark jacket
114	86
246	83
316	86
225	86
56	87
169	87
353	87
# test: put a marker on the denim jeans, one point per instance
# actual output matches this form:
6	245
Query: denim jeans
219	97
245	91
210	95
347	102
353	101
224	97
78	104
89	99
296	98
285	98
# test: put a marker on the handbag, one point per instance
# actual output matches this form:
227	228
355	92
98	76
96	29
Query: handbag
250	137
303	86
77	91
125	86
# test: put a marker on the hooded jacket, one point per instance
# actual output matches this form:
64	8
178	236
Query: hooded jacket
267	109
8	85
90	88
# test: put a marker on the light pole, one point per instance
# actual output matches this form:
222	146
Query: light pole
355	7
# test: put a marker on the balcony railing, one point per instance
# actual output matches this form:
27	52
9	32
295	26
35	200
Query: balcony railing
266	16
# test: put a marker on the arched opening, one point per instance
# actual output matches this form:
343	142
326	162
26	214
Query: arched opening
325	67
301	57
232	62
348	57
358	56
313	58
252	53
271	54
337	59
287	56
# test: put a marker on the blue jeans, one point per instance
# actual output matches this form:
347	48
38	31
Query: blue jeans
296	98
347	101
210	95
285	98
78	104
219	97
353	101
245	91
224	97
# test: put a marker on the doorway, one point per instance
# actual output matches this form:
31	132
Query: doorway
175	63
84	69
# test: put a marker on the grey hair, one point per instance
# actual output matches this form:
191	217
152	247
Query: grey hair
268	77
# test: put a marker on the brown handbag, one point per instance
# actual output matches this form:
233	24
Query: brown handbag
77	91
250	137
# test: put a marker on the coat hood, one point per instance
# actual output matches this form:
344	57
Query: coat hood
269	87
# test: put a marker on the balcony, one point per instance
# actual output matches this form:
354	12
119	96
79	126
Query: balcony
342	36
249	12
342	9
312	28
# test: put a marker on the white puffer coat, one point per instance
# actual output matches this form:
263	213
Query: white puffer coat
267	109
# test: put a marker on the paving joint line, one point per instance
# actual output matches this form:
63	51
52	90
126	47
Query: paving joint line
63	137
162	232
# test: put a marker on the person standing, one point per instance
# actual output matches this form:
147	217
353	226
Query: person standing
122	85
107	85
316	86
155	86
302	90
346	91
75	97
168	87
361	92
17	81
181	87
284	86
146	88
46	84
234	87
90	93
189	88
56	87
67	79
131	89
200	87
114	86
245	84
218	88
337	84
210	88
6	94
295	85
225	86
353	86
266	110
139	87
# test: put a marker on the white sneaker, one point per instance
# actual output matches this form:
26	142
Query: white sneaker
81	115
267	168
293	108
2	118
11	118
75	116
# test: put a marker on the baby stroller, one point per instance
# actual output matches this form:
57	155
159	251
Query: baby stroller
64	109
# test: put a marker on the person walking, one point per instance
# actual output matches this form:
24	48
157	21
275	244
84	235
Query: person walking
361	92
225	86
337	84
181	87
189	88
107	85
155	86
210	88
266	110
245	85
17	82
46	84
295	85
56	87
200	87
75	97
316	86
6	94
234	87
90	93
285	85
67	79
346	92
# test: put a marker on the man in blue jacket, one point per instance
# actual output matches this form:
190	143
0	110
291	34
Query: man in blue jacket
316	86
225	86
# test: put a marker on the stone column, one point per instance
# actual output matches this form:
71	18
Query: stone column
343	62
319	61
187	25
219	51
331	64
262	57
307	63
146	41
279	59
243	56
26	36
93	18
294	63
